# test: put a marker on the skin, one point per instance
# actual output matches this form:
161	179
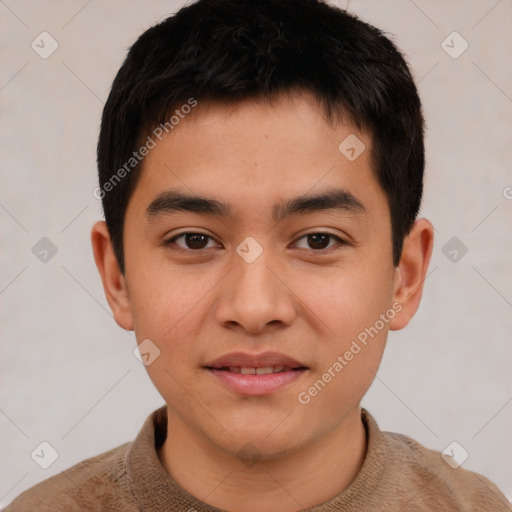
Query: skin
306	302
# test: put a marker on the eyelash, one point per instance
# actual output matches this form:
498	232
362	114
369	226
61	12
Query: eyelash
172	240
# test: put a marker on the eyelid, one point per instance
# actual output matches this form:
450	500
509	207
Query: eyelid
171	240
340	241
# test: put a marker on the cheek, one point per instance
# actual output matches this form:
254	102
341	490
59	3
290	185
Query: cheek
353	307
162	297
348	361
169	311
171	308
346	300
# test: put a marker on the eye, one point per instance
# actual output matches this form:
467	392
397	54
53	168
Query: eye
192	241
199	241
320	241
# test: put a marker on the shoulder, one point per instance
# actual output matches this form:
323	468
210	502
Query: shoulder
433	480
97	483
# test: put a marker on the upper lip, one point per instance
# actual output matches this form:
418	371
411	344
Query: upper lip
262	360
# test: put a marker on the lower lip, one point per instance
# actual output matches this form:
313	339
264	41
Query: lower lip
256	385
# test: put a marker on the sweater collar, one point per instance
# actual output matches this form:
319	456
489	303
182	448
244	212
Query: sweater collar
155	490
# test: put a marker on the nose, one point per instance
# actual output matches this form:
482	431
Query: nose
255	297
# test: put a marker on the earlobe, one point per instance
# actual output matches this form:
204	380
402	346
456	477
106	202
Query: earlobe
411	271
114	283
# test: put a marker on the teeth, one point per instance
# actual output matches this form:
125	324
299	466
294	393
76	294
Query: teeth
264	371
256	371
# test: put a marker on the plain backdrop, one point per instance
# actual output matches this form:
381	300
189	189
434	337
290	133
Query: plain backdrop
68	373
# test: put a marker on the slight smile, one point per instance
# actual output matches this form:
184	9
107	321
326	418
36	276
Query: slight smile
256	374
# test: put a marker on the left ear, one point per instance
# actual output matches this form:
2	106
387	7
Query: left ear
411	271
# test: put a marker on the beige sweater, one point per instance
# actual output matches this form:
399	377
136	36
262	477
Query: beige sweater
398	474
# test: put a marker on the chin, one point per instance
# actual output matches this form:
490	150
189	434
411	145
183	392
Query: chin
250	449
262	442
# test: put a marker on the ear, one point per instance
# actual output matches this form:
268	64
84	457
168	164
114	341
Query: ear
411	272
113	280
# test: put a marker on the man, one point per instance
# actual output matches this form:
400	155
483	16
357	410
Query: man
261	171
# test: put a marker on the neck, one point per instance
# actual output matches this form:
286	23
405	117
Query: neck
305	477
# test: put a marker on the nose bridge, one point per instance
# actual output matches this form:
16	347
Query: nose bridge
252	264
254	296
256	278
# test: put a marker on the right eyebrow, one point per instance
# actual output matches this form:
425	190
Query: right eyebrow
172	201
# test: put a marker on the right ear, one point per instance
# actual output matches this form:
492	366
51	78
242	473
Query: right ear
114	283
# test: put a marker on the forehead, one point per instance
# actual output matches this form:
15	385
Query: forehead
248	153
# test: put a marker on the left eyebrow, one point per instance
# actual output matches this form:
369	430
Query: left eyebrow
332	199
172	201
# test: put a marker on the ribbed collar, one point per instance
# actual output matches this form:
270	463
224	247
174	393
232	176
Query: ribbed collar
155	490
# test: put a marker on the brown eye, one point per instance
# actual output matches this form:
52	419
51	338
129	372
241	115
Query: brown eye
196	241
192	241
320	241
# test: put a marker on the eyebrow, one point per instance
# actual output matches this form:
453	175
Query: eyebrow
172	201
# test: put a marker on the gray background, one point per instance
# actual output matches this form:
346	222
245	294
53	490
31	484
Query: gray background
69	376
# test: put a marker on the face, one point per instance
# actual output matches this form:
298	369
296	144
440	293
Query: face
257	280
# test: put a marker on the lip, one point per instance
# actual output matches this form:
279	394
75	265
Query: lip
261	360
257	385
253	384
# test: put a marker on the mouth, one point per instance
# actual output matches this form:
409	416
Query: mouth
248	370
256	374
